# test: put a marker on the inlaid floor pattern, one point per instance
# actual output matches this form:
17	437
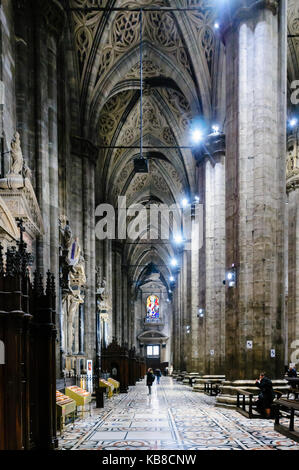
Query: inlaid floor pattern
173	417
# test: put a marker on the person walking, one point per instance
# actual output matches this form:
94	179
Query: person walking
158	374
150	378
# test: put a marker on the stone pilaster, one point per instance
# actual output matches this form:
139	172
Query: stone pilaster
255	188
293	247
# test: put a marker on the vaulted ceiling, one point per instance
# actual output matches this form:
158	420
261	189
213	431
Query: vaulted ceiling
179	61
183	70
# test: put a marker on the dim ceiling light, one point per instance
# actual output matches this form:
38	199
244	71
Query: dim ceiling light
171	279
196	136
185	202
216	25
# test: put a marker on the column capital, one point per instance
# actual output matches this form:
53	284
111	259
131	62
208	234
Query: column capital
84	148
238	10
214	147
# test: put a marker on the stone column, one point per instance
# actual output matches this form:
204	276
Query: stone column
186	336
199	332
293	245
214	314
49	20
23	97
88	152
196	247
255	187
42	140
117	291
125	329
176	326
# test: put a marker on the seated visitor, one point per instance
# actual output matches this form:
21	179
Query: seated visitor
292	372
150	378
266	395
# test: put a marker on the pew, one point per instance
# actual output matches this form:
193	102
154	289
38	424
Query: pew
199	385
288	409
211	388
245	399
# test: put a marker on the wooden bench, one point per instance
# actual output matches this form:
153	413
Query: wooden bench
293	391
242	404
211	388
290	409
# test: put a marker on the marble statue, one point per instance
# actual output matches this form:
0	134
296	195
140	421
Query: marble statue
16	156
19	174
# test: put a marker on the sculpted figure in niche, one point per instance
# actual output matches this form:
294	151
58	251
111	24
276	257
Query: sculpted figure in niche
77	274
17	164
19	171
73	307
65	233
16	156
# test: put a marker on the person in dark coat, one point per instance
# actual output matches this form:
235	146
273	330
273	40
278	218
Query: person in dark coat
292	372
150	378
266	396
158	374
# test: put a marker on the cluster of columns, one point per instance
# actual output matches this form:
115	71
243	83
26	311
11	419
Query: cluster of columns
63	166
242	184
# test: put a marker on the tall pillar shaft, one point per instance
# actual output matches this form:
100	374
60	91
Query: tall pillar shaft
293	248
255	194
42	143
214	315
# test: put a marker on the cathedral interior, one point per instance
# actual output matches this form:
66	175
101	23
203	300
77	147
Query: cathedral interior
186	113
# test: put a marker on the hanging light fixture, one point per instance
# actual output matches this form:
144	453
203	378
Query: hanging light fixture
141	163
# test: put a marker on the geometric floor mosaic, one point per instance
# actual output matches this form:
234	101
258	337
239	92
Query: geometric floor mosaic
172	418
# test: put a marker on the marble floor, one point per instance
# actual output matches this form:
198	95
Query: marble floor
173	417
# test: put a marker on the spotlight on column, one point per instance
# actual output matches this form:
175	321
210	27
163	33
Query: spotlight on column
216	25
196	199
215	129
293	122
178	239
174	262
185	202
188	329
201	313
196	136
231	277
167	300
171	279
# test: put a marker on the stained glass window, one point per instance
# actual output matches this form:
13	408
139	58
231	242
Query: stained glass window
152	310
